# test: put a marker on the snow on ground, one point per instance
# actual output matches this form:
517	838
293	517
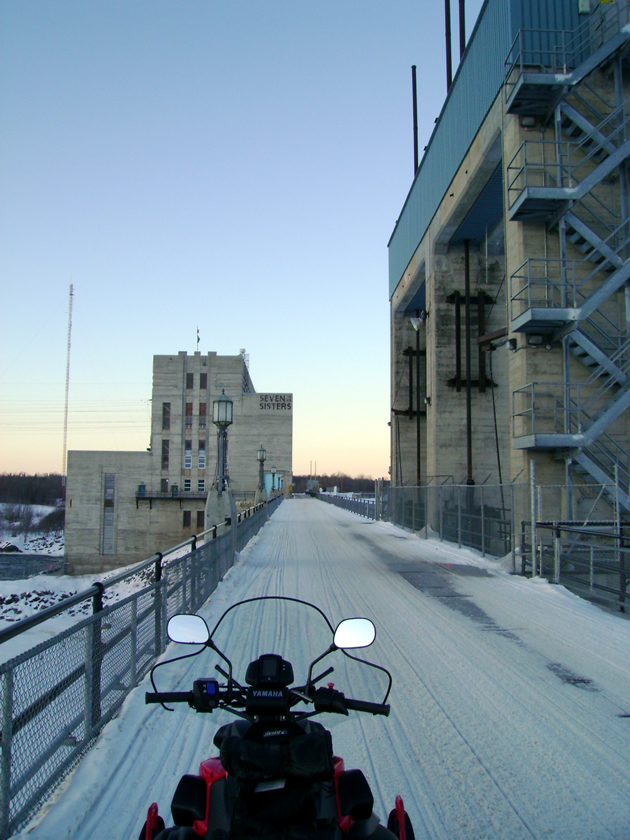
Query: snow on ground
508	708
34	542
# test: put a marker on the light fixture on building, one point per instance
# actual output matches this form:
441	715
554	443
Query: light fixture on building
418	319
537	339
222	415
262	456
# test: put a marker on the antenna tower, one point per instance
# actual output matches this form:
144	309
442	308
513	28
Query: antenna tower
65	416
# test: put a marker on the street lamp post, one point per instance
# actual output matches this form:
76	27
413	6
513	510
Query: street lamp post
273	479
222	414
261	494
262	456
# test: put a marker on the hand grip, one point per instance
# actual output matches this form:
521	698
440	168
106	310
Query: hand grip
168	697
364	706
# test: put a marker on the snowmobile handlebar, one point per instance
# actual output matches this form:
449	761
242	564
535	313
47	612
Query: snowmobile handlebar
325	700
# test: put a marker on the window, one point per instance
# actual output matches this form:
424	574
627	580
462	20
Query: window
188	455
201	485
202	454
190	381
187	518
201	519
166	415
189	415
165	447
164	485
203	410
108	513
203	381
187	485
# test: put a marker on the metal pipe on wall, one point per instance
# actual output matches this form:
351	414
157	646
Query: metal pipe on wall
449	59
418	472
469	478
462	27
415	119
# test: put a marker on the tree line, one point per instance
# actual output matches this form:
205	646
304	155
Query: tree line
344	483
22	489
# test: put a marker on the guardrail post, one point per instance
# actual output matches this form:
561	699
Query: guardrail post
512	530
5	763
441	516
134	642
89	661
184	587
483	526
523	547
533	513
622	573
157	601
97	656
459	516
592	577
557	554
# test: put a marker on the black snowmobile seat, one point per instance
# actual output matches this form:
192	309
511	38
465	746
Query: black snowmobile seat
279	751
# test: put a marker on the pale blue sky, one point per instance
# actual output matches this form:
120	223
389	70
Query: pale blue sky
236	166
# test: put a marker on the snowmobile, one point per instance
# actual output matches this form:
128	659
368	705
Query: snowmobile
276	775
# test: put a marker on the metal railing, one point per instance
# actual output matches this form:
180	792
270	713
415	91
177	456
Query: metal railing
57	697
561	51
546	282
362	507
568	408
563	163
592	561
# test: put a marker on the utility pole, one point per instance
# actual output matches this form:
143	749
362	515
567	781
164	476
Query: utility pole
65	416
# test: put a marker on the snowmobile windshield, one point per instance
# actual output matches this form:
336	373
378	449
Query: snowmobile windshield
300	633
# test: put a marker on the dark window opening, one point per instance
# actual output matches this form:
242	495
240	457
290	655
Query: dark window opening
203	381
164	485
187	518
201	518
166	415
165	453
190	381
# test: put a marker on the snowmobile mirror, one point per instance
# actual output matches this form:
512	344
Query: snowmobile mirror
188	630
354	633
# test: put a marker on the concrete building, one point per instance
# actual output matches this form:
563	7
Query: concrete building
124	506
510	301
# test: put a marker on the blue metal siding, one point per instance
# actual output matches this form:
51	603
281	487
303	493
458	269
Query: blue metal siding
543	14
474	89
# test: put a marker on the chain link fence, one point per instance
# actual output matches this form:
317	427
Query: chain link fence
482	517
57	697
578	537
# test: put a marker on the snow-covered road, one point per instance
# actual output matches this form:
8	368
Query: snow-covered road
508	706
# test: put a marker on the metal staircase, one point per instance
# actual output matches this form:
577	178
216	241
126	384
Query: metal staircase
577	185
